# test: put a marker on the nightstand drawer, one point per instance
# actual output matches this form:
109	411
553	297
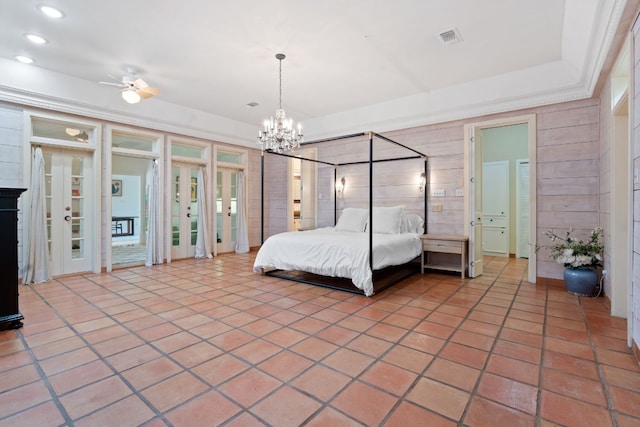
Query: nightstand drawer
446	246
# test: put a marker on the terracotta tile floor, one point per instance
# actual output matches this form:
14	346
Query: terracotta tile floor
208	342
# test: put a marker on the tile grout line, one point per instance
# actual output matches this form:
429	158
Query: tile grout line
601	377
54	397
104	360
543	352
474	391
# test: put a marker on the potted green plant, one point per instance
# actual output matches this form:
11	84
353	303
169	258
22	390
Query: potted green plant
580	259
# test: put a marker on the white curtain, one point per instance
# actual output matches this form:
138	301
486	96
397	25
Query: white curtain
154	244
36	267
242	235
203	249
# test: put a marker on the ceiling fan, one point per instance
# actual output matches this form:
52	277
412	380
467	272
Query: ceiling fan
134	88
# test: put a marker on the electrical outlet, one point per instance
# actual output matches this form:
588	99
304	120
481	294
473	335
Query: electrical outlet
438	193
459	192
436	207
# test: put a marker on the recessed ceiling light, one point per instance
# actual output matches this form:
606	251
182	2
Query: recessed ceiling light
24	59
51	12
33	38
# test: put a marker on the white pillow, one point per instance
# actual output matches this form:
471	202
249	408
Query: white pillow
386	220
412	223
352	219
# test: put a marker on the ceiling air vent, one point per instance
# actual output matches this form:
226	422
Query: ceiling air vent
252	104
450	36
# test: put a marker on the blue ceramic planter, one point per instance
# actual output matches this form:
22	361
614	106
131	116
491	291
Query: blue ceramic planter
580	281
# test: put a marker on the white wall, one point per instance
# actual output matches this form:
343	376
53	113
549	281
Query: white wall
11	168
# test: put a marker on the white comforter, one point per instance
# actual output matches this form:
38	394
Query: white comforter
337	253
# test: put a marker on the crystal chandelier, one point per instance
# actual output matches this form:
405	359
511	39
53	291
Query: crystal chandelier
278	133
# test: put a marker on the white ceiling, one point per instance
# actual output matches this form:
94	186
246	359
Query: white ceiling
351	65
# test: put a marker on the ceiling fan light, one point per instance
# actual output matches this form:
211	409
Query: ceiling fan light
131	96
72	131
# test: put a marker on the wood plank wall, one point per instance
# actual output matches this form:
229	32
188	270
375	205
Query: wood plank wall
567	184
567	166
11	162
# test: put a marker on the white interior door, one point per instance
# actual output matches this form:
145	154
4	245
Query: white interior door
476	262
522	208
226	209
184	210
68	180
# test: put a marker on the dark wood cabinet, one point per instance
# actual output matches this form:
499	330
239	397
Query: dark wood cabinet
10	316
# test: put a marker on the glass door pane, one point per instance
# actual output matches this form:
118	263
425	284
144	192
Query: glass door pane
76	184
226	209
184	210
66	184
175	207
193	206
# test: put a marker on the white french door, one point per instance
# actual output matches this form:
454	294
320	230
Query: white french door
473	188
68	181
184	210
226	209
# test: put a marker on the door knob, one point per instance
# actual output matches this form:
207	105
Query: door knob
188	215
67	218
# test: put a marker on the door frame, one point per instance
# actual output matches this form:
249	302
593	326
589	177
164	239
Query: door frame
519	165
185	224
156	153
243	157
94	219
307	180
470	157
203	161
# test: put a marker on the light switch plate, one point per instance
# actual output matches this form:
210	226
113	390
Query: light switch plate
438	193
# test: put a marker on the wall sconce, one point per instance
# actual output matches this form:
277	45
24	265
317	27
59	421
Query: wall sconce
340	186
423	182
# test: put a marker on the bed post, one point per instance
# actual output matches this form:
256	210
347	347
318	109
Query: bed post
262	197
371	201
426	193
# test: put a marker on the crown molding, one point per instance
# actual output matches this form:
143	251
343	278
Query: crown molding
26	98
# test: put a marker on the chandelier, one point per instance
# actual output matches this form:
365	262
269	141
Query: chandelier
278	133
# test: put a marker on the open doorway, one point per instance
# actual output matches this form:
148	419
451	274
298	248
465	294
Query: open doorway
474	215
303	177
505	190
128	207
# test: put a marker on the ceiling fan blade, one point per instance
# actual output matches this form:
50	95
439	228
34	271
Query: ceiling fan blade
150	90
140	84
143	94
112	84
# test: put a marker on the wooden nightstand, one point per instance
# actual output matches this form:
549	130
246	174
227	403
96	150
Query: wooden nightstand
442	243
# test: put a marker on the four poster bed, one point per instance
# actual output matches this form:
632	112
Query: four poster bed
366	251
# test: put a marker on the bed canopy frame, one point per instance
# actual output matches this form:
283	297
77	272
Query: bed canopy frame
395	275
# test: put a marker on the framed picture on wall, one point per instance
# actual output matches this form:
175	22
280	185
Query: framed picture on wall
116	187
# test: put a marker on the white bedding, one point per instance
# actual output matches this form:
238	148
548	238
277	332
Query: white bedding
328	252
